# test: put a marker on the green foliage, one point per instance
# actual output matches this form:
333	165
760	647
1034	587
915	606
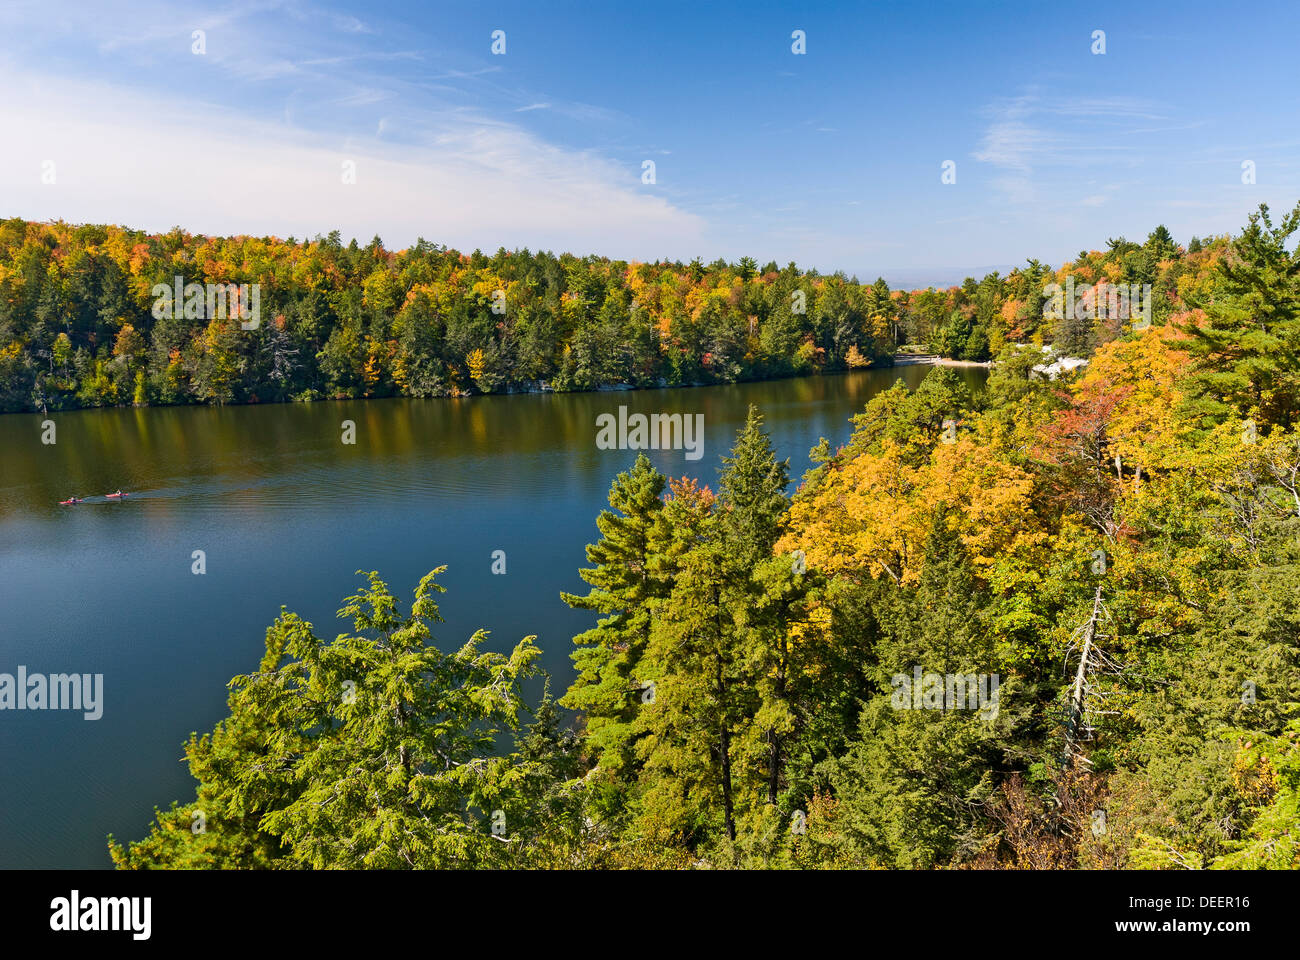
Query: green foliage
371	750
623	584
914	420
753	494
1248	349
77	326
1124	563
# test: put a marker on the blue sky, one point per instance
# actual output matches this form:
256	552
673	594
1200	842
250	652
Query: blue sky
832	158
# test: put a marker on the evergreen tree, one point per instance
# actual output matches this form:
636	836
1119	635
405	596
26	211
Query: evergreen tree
371	750
753	498
623	583
753	505
910	788
702	697
1160	245
549	817
1248	351
1074	334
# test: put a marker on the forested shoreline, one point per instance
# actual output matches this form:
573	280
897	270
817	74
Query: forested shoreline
78	325
1113	557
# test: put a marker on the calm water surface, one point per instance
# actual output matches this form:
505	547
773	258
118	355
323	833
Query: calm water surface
286	514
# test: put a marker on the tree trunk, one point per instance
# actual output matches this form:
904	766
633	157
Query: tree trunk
724	744
774	738
728	813
773	765
1076	695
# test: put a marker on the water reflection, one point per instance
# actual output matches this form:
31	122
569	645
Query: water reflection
285	513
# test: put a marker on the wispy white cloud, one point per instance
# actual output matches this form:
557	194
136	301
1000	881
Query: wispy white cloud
1013	144
142	160
349	24
373	55
1035	140
251	137
364	97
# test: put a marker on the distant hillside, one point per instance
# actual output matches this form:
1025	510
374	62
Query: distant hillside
92	316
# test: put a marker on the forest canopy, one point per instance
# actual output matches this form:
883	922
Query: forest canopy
1104	568
79	328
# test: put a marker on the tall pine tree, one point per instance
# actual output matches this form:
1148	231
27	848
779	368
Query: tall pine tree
622	583
1248	349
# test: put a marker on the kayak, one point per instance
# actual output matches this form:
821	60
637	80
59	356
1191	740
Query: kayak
116	496
66	502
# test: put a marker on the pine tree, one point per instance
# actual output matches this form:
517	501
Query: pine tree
1248	350
1160	245
550	818
913	783
753	497
1073	335
702	697
753	505
371	750
778	604
622	583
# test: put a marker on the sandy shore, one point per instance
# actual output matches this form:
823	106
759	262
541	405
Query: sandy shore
904	360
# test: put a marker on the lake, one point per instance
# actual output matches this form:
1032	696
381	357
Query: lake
285	513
